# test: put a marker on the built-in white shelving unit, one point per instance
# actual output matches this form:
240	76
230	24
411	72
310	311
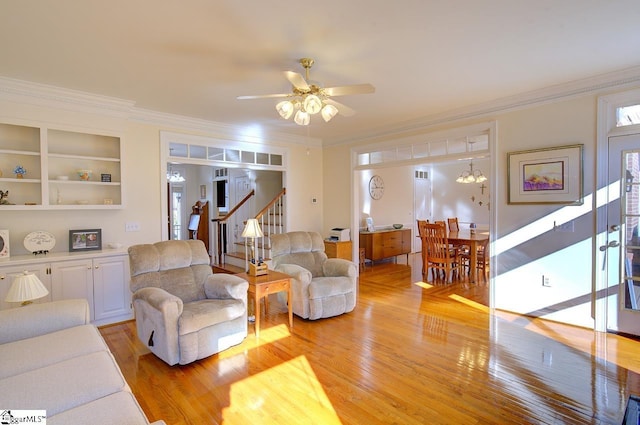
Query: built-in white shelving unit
52	158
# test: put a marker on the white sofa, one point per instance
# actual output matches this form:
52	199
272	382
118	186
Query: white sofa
53	359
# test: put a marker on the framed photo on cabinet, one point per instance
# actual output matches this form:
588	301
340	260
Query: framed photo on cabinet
4	244
546	176
85	240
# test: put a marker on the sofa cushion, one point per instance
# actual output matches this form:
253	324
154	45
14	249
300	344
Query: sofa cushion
64	385
27	354
200	314
115	409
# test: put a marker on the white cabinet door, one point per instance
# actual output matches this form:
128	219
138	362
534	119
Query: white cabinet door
7	274
112	296
72	279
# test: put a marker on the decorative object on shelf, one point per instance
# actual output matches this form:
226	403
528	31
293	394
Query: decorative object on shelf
63	178
19	171
309	98
105	178
4	243
370	226
107	201
4	194
25	288
59	198
39	242
546	176
85	240
85	175
471	175
397	226
376	187
252	231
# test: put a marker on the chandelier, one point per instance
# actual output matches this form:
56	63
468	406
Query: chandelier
471	175
305	105
174	176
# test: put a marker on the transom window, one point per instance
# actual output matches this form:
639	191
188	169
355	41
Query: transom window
627	115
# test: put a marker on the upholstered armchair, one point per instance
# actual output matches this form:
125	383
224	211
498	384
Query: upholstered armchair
321	287
183	311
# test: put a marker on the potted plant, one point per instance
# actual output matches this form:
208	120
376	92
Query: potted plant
19	171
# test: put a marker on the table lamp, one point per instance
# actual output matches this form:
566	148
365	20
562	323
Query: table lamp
252	231
25	288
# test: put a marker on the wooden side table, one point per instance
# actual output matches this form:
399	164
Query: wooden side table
261	286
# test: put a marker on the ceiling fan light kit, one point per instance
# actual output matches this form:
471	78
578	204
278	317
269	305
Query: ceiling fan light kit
309	98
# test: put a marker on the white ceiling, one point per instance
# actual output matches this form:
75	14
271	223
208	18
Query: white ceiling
424	57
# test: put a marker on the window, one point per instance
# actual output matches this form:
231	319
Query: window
627	115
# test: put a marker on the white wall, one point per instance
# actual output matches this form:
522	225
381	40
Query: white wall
142	179
519	266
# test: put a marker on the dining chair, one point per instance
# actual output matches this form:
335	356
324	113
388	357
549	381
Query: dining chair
454	226
439	254
482	256
422	234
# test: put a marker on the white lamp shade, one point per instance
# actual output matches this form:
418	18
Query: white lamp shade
328	112
302	118
26	287
252	229
312	104
285	109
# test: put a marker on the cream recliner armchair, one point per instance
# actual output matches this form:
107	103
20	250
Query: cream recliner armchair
183	311
321	287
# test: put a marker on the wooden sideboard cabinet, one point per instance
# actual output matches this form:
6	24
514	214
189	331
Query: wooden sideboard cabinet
339	249
386	243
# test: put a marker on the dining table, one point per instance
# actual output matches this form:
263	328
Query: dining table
473	240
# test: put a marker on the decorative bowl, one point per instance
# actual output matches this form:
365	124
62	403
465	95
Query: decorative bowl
397	226
85	174
63	177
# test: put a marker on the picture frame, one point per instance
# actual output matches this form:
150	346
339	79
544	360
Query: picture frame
546	176
203	191
4	243
85	240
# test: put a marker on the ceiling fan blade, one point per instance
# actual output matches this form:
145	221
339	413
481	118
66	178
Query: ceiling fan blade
263	96
297	80
342	109
346	90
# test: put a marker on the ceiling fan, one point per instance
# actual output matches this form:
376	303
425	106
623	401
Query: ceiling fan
309	97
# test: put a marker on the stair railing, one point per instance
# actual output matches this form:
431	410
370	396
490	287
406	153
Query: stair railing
274	222
221	234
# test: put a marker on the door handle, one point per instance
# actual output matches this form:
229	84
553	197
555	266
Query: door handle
612	244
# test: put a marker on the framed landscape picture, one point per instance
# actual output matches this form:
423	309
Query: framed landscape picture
85	240
546	176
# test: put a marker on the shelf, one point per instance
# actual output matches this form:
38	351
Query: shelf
47	153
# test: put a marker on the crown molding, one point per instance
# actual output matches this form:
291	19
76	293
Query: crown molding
37	94
588	86
217	129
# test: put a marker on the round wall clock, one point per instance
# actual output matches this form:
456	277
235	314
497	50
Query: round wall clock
376	187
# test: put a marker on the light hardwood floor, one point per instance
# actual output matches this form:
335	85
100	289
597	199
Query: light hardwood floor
410	353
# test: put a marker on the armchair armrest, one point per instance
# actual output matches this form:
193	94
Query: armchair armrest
225	286
339	267
160	300
296	272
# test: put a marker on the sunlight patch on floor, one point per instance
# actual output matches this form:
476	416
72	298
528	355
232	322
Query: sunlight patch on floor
470	303
267	336
300	398
423	285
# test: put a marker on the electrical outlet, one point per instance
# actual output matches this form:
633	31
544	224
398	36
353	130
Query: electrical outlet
132	226
546	281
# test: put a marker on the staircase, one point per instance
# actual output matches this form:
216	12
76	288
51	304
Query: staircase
233	257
